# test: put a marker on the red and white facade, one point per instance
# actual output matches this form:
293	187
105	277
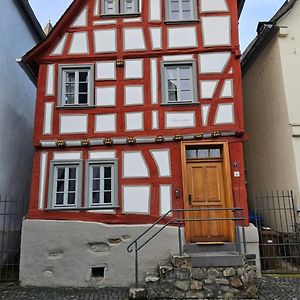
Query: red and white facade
117	96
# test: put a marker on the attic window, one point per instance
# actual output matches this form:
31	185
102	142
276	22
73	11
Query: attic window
119	7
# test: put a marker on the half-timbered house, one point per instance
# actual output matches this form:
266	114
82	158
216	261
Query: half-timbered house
139	111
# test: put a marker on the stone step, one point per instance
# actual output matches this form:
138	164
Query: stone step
202	247
216	259
152	276
164	267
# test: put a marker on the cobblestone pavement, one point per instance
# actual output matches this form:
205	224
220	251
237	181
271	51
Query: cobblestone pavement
269	289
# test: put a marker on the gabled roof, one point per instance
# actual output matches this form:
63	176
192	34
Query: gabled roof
30	59
265	32
26	10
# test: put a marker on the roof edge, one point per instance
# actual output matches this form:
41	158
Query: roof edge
26	10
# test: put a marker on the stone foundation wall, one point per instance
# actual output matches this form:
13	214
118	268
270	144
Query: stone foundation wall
179	280
87	254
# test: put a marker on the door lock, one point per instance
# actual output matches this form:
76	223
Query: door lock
190	199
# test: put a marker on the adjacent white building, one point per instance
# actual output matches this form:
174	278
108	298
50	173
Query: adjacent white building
271	97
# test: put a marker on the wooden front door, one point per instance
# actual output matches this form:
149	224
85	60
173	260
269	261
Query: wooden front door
206	188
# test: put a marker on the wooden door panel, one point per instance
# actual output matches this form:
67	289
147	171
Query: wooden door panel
206	189
197	177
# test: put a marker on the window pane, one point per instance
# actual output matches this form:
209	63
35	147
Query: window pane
71	198
186	15
186	5
203	153
110	7
72	185
174	5
70	99
96	198
185	84
107	197
83	87
83	98
185	72
83	76
171	73
60	186
96	172
215	153
107	172
70	88
186	96
96	185
60	173
191	154
129	6
107	184
70	77
72	173
59	199
173	96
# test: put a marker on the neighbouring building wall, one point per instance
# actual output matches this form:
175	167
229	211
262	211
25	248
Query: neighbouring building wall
17	101
289	44
269	152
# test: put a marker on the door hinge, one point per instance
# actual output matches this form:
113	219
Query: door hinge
190	199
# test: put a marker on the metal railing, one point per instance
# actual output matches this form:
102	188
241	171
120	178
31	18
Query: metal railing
12	210
177	217
276	218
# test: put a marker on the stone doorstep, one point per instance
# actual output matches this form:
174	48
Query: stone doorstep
216	259
200	248
137	293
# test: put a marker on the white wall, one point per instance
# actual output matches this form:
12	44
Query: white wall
269	152
17	102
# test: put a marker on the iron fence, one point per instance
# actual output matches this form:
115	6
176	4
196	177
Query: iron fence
12	211
275	217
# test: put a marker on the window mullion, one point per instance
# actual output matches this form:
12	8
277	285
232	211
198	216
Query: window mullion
102	184
192	14
178	83
180	9
66	185
76	87
191	84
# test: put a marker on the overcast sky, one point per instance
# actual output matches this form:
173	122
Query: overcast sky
254	11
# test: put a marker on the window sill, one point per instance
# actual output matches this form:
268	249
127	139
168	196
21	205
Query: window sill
181	21
75	107
81	208
121	15
181	104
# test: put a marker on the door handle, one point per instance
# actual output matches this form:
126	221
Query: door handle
190	199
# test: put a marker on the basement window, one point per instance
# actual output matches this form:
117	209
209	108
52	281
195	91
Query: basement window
97	272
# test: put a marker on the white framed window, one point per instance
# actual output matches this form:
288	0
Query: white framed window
101	183
179	82
116	7
181	10
76	85
65	185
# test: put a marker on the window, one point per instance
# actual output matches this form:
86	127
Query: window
181	10
115	7
65	185
101	183
193	152
76	86
179	82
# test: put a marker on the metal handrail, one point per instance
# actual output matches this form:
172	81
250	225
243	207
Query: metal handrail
179	221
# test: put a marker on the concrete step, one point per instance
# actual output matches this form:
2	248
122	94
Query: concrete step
152	276
216	259
164	267
202	247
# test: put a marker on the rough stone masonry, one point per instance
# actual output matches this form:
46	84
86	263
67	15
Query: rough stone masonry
179	280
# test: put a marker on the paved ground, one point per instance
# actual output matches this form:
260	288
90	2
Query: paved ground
269	289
